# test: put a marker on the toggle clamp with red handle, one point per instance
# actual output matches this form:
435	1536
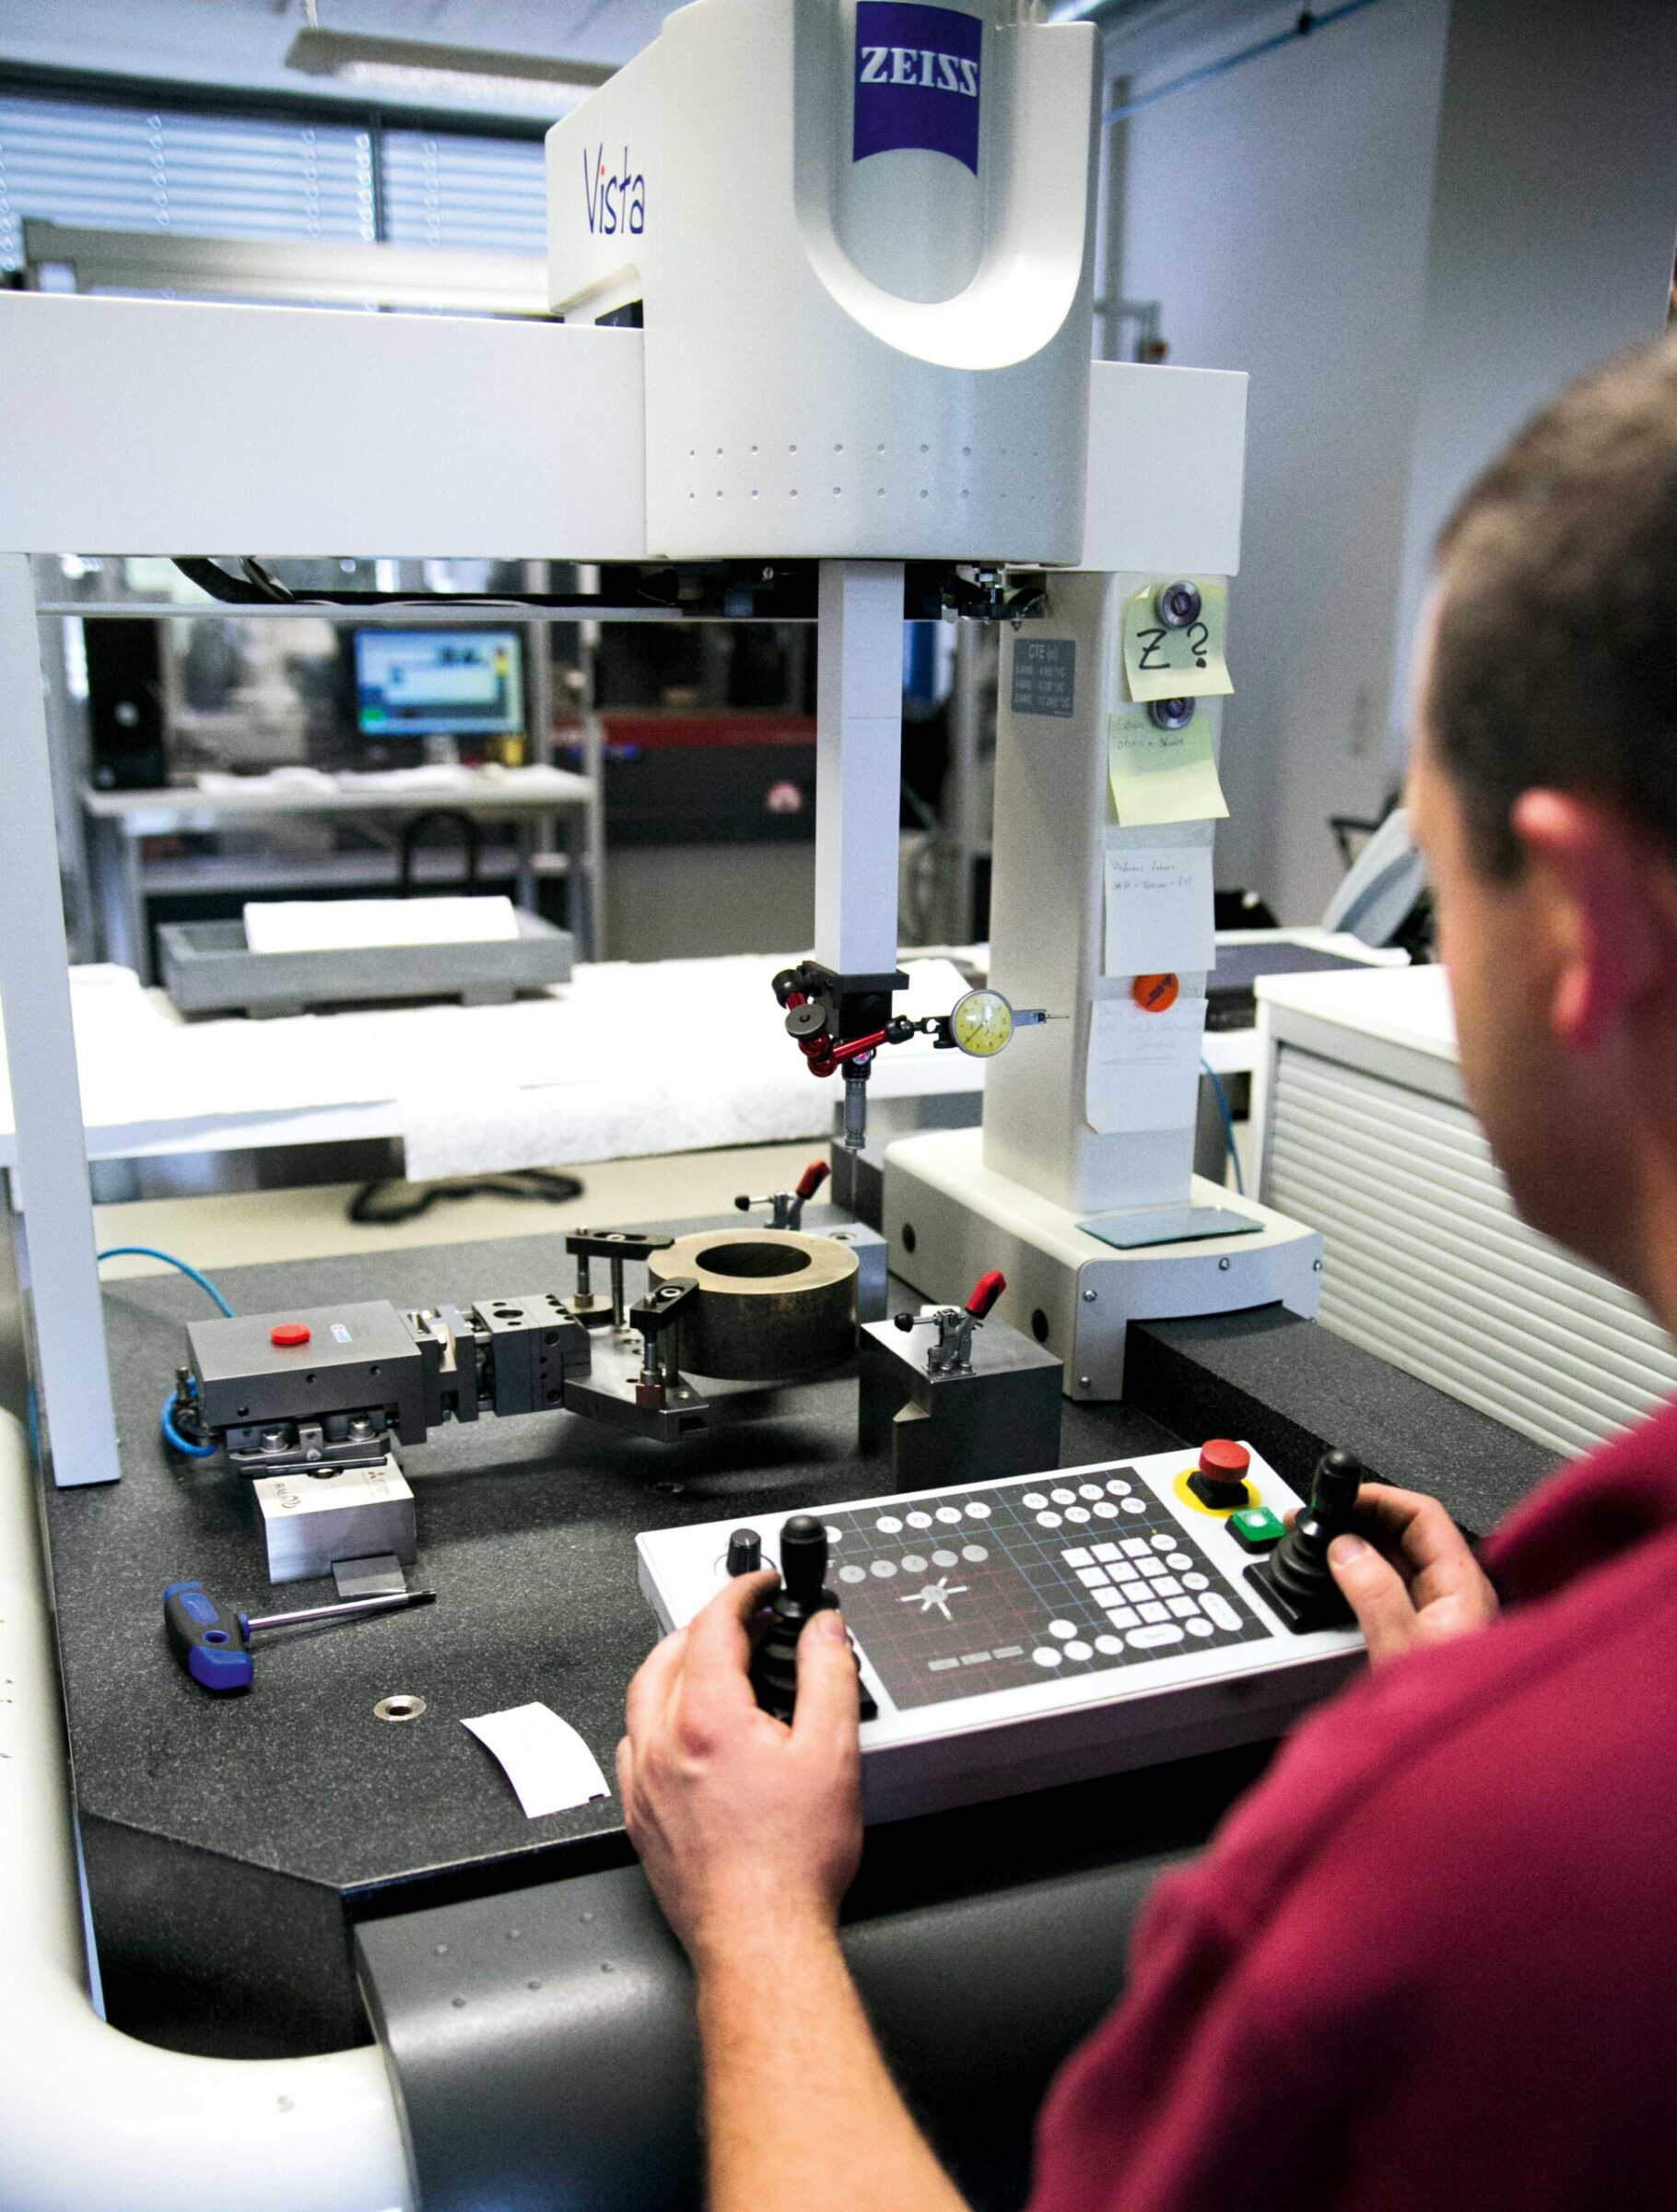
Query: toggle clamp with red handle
951	1350
787	1207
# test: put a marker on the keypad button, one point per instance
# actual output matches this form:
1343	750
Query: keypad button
888	1526
1063	1497
1106	1511
1047	1654
1088	1489
1200	1628
1079	1650
975	1555
1076	1556
1134	1505
1047	1519
1167	1586
1195	1582
1153	1612
1184	1607
1033	1502
1151	1639
1118	1489
1109	1646
1180	1562
1104	1551
1077	1512
1064	1629
1221	1611
919	1519
975	1509
1122	1616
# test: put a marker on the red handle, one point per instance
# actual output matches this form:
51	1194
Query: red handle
985	1292
813	1177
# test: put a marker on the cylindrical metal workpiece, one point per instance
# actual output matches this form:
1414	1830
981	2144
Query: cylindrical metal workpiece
771	1302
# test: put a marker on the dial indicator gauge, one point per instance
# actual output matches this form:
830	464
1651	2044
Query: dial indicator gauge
981	1023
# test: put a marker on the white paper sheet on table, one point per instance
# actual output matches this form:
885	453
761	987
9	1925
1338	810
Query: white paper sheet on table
355	924
1143	1070
549	1766
1159	910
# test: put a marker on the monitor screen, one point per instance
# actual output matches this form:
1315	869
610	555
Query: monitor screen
423	682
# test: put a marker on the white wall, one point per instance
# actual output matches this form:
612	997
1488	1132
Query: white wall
1280	214
1552	235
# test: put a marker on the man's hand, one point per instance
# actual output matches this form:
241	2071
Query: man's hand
746	1827
1415	1582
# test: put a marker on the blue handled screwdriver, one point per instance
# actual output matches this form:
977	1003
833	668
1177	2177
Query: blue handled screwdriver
214	1644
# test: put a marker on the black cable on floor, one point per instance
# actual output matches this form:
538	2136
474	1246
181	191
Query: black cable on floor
382	1205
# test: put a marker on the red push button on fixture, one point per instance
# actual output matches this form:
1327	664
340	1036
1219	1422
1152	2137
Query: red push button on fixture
1219	1480
285	1333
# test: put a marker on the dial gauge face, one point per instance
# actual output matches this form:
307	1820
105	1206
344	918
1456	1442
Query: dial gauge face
981	1023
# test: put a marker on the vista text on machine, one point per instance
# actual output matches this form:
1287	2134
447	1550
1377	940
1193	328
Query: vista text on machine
615	204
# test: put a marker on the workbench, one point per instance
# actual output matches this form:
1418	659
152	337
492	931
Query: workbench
246	1858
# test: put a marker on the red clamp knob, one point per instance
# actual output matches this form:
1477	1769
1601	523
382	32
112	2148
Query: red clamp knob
985	1292
813	1177
288	1333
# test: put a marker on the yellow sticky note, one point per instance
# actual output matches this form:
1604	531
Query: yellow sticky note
1162	775
1188	662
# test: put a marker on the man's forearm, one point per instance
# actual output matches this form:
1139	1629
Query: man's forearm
799	2107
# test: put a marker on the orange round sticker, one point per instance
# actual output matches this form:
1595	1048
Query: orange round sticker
1156	994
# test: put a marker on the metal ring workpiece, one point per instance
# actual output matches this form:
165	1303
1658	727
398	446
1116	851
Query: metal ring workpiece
771	1302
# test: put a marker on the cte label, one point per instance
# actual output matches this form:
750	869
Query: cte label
918	80
616	204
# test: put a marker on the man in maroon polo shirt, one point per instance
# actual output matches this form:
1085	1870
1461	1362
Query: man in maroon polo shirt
1431	1961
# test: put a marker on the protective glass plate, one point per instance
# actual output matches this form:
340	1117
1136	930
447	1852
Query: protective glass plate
1169	1224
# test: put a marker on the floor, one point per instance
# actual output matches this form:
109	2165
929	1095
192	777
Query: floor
246	1227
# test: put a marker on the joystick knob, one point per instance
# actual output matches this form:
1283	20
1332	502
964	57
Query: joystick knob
802	1593
1296	1578
745	1551
1219	1480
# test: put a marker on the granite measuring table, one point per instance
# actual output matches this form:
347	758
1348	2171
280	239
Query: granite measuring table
232	1846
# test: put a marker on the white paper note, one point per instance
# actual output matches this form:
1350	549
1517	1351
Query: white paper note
549	1766
353	924
1159	910
1143	1069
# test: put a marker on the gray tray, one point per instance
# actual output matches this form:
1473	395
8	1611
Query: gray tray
210	968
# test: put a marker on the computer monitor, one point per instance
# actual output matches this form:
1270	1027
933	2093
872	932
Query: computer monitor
426	683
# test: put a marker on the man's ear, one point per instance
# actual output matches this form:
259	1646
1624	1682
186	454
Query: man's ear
1610	901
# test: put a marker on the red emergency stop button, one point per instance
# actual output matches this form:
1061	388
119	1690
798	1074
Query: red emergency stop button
1219	1480
285	1333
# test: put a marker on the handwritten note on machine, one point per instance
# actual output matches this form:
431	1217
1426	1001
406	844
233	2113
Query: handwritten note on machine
1162	775
1143	1069
1177	658
1159	910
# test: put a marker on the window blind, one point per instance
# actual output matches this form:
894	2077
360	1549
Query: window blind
441	190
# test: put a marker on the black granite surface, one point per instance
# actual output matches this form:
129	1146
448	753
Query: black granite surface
1293	1389
227	1841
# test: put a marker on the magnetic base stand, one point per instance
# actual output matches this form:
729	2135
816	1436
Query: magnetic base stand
948	1218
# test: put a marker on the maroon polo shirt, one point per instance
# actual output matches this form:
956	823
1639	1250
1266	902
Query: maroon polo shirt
1431	1961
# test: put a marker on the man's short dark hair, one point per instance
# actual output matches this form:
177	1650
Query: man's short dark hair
1555	660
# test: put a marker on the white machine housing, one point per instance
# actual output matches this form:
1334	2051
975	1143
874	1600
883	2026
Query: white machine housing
1078	1718
856	353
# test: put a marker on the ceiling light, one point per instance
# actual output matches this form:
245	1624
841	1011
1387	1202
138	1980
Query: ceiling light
415	65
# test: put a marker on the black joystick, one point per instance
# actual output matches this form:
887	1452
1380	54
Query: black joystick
745	1551
802	1593
1296	1578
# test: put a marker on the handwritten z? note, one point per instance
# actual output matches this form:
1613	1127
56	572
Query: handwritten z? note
1159	910
1184	662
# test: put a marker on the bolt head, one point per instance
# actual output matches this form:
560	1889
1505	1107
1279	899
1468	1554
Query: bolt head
1089	1297
1224	1264
1082	1381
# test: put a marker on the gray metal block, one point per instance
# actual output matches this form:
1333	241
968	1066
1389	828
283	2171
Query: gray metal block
1001	1416
210	968
356	1356
873	1267
309	1521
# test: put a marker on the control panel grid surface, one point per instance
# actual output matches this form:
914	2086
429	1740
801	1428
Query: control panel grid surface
1010	1585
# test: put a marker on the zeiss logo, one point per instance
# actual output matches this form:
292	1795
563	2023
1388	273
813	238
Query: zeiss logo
616	203
917	80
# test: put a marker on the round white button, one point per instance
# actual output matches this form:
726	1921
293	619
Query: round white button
1118	1489
1079	1650
919	1519
977	1510
1164	1543
853	1575
912	1564
1199	1628
974	1553
835	1535
888	1526
1111	1645
1046	1655
1134	1505
1195	1582
1064	1629
1088	1489
942	1559
1077	1512
1033	1502
1106	1511
947	1515
883	1569
1062	1497
1047	1519
1180	1562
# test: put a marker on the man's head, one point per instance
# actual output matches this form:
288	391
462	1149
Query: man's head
1543	787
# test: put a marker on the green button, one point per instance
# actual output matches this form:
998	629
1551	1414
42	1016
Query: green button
1256	1527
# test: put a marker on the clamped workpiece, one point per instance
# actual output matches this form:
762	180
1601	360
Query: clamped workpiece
978	1401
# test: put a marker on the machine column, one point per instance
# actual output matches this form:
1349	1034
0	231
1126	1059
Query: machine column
857	765
72	1369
